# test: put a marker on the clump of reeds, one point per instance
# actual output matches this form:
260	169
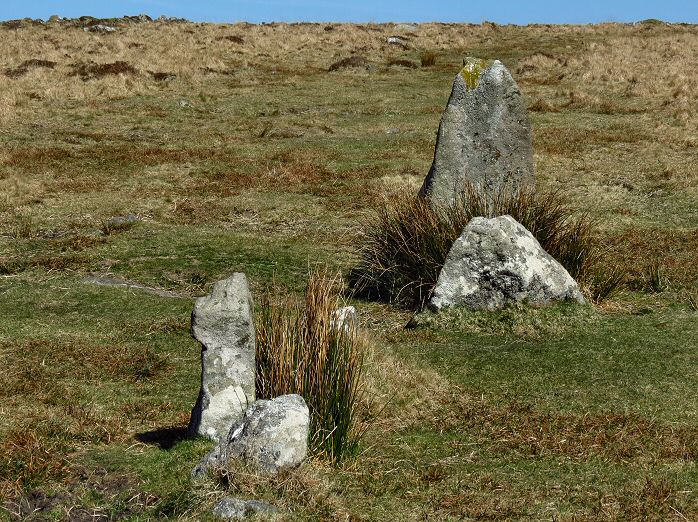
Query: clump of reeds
656	281
303	348
405	244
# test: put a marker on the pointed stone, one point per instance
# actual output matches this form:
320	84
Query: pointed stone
484	136
496	262
223	323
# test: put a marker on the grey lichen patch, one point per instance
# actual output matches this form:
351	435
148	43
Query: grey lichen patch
472	69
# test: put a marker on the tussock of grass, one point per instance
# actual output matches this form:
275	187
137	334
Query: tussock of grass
346	63
655	279
409	64
27	65
405	244
301	349
91	70
427	59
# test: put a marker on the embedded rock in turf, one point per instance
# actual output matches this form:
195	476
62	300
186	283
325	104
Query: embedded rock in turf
344	318
237	509
222	322
497	261
484	137
272	436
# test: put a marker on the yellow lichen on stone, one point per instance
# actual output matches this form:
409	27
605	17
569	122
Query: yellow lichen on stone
472	69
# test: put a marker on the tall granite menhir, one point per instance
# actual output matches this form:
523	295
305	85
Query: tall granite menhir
484	136
223	323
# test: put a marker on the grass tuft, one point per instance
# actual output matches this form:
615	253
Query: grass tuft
656	281
345	63
602	284
409	64
91	70
428	59
302	349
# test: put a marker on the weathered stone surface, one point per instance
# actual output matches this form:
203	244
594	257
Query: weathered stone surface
120	221
345	318
108	280
237	509
100	28
484	136
222	322
272	436
399	41
497	261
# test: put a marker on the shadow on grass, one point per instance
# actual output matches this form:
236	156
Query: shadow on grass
166	438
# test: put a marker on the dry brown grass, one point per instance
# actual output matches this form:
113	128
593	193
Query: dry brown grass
346	63
401	62
638	249
303	349
427	59
72	359
58	420
625	62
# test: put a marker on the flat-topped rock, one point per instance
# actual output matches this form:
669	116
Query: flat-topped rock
484	137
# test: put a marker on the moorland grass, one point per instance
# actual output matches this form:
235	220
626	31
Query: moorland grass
215	194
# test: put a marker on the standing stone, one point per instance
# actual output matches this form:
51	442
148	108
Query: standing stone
223	323
496	262
272	436
484	136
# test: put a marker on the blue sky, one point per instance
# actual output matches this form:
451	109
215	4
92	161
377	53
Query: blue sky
500	11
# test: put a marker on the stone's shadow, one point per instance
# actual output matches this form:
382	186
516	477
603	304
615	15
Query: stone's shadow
166	438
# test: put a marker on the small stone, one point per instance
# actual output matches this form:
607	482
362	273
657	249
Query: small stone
344	318
484	137
223	323
271	437
100	28
121	221
398	40
496	262
238	509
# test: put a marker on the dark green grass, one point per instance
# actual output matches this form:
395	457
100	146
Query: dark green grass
639	364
